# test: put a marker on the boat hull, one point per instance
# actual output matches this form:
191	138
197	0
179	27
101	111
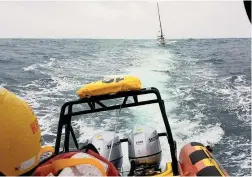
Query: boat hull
196	160
161	42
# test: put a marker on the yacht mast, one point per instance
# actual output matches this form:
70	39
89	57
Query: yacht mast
162	37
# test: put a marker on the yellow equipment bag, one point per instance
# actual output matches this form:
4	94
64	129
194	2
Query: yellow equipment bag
113	85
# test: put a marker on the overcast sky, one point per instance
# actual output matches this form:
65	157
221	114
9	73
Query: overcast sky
111	19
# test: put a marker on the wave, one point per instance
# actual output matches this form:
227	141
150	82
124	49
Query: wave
3	84
163	71
239	96
214	61
40	66
30	68
171	42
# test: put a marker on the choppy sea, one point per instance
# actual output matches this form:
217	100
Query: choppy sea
205	84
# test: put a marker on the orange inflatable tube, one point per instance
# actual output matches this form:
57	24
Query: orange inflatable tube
196	160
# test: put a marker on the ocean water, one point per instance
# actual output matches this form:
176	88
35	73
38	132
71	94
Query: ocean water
205	84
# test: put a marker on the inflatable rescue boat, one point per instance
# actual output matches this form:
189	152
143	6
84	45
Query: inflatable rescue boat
144	149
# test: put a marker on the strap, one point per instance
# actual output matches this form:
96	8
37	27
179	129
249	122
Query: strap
60	164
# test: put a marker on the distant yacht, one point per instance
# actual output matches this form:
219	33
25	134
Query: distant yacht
161	39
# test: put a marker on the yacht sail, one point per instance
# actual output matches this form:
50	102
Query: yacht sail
161	38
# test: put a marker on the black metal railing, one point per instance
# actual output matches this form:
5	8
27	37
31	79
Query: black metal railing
67	113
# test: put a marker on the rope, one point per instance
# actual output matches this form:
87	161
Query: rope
115	132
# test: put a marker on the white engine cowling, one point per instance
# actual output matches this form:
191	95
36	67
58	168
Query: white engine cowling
103	141
144	147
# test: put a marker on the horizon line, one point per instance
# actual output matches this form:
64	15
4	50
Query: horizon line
88	38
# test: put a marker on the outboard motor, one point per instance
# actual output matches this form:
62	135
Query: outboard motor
103	142
144	151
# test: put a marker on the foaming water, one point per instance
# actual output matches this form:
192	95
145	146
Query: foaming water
205	87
